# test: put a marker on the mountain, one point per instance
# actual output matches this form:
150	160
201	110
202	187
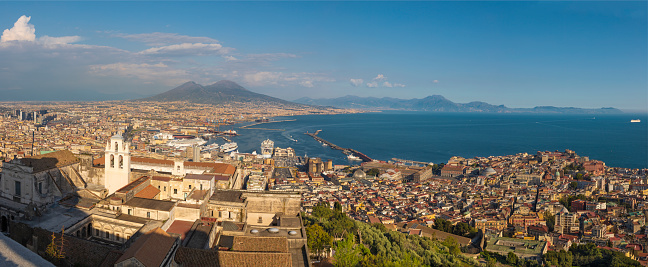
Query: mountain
221	92
439	103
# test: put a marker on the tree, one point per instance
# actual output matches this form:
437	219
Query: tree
373	172
318	239
550	219
511	258
337	206
322	211
346	252
573	185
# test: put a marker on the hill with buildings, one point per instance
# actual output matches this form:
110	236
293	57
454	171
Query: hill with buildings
221	92
438	103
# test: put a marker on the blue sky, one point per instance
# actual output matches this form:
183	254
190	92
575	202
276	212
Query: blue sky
519	54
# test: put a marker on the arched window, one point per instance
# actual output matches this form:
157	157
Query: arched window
178	167
112	161
121	161
116	146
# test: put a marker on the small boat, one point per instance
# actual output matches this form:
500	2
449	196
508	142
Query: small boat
637	120
353	158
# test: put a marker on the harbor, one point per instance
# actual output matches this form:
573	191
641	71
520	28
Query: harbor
346	151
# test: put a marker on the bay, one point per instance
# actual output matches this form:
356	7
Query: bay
435	137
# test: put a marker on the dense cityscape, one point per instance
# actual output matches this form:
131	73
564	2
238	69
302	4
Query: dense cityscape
126	175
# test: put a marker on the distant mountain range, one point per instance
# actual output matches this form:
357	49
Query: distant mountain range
439	103
221	92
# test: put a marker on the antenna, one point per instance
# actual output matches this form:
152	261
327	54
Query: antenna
33	137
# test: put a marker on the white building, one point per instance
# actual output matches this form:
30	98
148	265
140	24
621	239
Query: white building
118	164
267	148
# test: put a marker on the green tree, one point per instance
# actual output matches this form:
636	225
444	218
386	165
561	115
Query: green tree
318	239
511	258
322	211
550	220
337	206
347	254
373	172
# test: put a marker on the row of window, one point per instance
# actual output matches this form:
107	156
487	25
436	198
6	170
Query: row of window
107	235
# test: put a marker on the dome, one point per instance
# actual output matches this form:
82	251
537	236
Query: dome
488	172
359	174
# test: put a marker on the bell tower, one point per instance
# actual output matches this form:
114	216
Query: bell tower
117	170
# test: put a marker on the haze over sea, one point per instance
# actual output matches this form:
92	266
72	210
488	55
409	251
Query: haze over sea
435	137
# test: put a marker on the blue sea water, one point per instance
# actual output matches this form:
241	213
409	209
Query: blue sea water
435	137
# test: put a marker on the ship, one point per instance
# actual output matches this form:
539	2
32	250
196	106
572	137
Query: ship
267	147
353	158
637	120
229	147
211	147
186	143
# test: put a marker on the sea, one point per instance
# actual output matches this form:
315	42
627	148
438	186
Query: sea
435	137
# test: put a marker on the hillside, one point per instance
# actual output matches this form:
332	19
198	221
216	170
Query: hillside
438	103
221	92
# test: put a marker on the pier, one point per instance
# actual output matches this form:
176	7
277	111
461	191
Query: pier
346	151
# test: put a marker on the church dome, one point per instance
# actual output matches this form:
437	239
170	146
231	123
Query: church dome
359	174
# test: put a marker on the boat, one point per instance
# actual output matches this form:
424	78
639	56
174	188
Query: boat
229	147
211	147
181	143
324	144
353	158
637	120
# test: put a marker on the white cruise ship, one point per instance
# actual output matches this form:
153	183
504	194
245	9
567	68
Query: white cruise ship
181	143
229	147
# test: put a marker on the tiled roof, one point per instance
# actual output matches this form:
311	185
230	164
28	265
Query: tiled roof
50	160
148	192
152	204
254	259
191	257
260	244
150	249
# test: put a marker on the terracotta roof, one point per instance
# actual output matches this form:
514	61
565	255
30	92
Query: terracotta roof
148	192
254	259
203	177
152	204
191	257
50	160
150	249
162	178
260	244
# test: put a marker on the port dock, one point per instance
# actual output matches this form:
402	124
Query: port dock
346	151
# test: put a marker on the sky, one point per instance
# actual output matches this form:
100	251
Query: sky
518	54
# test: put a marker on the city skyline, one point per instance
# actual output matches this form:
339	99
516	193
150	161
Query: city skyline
519	54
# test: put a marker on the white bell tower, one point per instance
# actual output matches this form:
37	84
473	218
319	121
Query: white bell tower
117	171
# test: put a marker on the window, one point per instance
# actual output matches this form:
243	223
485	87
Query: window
40	187
189	186
165	189
117	237
260	219
158	187
178	167
116	146
107	234
18	188
129	211
148	214
200	186
175	191
112	161
121	161
97	232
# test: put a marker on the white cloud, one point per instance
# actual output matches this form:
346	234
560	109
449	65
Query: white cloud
47	40
186	49
163	38
399	85
356	82
435	81
387	84
380	77
372	84
21	31
265	78
308	84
